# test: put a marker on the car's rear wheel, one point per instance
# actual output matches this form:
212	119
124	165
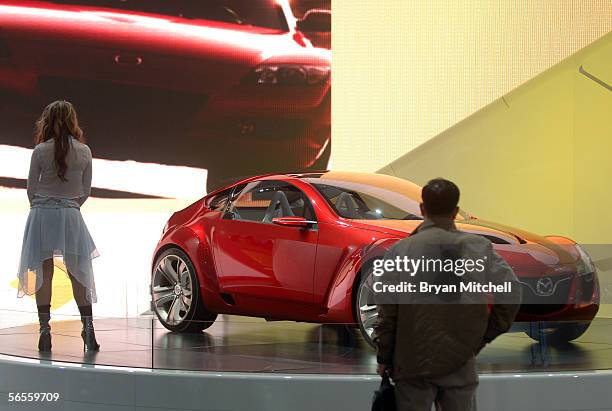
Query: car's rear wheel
365	308
175	293
558	333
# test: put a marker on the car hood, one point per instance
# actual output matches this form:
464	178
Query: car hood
527	253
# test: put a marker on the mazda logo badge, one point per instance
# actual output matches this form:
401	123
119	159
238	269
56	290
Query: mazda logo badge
545	287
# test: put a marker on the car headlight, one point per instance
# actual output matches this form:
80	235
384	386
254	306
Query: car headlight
585	264
166	227
288	74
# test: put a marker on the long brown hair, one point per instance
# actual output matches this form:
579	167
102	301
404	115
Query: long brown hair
59	121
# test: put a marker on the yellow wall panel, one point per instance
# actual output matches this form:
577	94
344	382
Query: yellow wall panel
538	158
593	149
406	70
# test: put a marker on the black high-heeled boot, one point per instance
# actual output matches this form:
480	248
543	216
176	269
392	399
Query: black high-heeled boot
89	336
44	340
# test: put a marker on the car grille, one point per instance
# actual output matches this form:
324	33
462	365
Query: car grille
541	309
545	295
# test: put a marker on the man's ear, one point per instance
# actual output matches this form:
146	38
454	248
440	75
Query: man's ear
455	212
423	211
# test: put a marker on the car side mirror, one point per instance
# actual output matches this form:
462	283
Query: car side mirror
315	21
293	222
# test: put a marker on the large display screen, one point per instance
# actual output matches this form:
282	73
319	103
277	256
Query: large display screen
176	98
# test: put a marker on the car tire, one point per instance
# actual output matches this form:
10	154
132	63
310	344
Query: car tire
175	294
558	333
364	307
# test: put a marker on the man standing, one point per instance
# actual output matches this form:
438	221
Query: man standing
429	344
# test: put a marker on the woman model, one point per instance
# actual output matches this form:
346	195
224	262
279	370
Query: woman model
59	182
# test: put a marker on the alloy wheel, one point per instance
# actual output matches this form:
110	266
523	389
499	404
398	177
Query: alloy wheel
366	310
172	290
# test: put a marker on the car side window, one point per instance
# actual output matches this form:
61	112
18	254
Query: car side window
262	201
218	202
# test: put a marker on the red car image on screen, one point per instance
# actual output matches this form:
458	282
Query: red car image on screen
290	247
176	82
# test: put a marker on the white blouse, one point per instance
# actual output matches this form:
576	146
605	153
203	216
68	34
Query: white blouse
43	179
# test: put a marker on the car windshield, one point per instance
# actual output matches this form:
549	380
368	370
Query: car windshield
369	196
260	13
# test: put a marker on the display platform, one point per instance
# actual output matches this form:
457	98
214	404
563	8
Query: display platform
278	366
242	344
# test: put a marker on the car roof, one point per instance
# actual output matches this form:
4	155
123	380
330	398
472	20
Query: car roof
389	182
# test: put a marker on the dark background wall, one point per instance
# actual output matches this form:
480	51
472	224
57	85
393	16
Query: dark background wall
302	6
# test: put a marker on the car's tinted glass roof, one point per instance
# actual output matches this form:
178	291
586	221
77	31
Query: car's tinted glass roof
387	182
395	191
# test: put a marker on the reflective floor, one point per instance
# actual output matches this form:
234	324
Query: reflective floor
254	345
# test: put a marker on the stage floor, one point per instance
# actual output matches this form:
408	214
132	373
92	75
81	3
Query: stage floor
241	344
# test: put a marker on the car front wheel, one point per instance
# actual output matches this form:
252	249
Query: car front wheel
365	309
175	293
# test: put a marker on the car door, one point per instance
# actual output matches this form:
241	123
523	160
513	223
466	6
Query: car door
262	265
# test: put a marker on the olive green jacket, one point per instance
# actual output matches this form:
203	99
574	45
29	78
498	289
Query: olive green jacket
430	340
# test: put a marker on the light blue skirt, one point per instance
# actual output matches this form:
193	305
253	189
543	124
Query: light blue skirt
55	228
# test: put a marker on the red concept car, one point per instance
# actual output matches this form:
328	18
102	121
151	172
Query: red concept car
178	82
290	247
